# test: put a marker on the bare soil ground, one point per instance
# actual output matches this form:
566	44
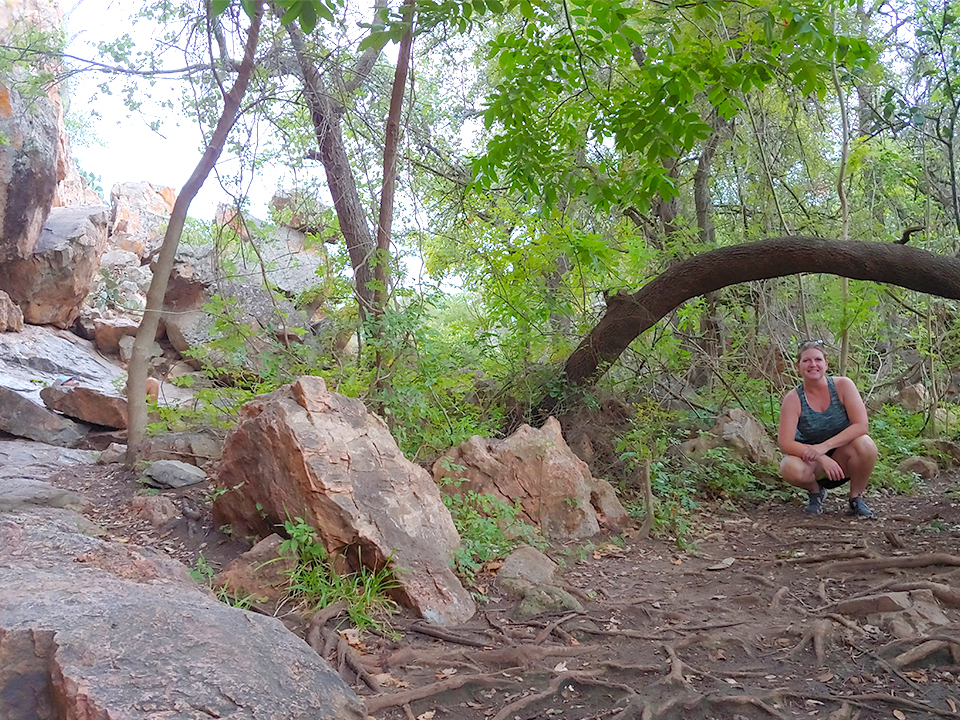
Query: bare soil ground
750	623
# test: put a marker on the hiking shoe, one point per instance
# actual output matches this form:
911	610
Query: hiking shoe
858	508
815	506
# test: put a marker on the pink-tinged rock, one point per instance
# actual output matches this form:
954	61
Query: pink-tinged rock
51	284
537	469
11	317
87	404
303	451
140	210
261	574
108	332
886	602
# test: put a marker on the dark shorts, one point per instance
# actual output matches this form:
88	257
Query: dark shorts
827	482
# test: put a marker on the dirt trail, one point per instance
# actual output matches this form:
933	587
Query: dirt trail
749	624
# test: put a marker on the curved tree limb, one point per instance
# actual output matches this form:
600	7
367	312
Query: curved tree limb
630	315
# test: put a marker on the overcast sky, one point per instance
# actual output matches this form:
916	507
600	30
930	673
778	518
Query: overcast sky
130	150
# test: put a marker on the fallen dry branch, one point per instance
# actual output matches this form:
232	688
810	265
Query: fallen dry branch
446	635
920	652
883	563
376	703
846	622
829	557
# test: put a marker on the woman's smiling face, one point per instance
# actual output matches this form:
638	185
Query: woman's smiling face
812	364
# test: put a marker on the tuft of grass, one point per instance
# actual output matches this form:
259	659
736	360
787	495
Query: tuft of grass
316	583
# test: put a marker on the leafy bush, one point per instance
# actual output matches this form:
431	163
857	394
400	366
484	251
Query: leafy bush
489	528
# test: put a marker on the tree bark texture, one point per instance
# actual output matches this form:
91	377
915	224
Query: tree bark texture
140	356
325	114
629	315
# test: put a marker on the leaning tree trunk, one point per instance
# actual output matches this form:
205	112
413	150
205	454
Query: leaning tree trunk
628	316
140	356
325	114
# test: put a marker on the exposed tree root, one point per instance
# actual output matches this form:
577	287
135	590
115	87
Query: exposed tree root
376	703
519	656
846	622
816	635
844	712
581	677
777	597
408	712
883	563
760	579
747	700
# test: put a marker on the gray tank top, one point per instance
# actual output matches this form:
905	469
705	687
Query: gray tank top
814	427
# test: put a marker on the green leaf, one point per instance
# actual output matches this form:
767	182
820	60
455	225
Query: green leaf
308	17
218	7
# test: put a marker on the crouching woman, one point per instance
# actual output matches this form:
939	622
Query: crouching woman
823	434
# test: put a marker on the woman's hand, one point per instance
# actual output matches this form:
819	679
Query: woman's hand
831	467
812	453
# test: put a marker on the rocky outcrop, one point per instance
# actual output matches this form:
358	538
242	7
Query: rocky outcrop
90	629
537	469
29	124
87	404
11	317
23	462
26	419
739	431
140	211
51	283
303	451
194	280
41	356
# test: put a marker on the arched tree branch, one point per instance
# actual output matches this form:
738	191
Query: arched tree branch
628	316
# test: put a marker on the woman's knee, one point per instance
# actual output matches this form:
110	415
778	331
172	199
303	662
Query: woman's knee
795	471
864	448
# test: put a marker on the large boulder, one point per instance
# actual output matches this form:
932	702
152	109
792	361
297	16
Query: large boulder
26	419
140	212
303	451
51	283
29	125
41	356
87	404
194	280
537	469
91	629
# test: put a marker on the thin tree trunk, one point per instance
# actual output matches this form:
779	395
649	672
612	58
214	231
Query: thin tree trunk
325	115
844	217
391	147
140	356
